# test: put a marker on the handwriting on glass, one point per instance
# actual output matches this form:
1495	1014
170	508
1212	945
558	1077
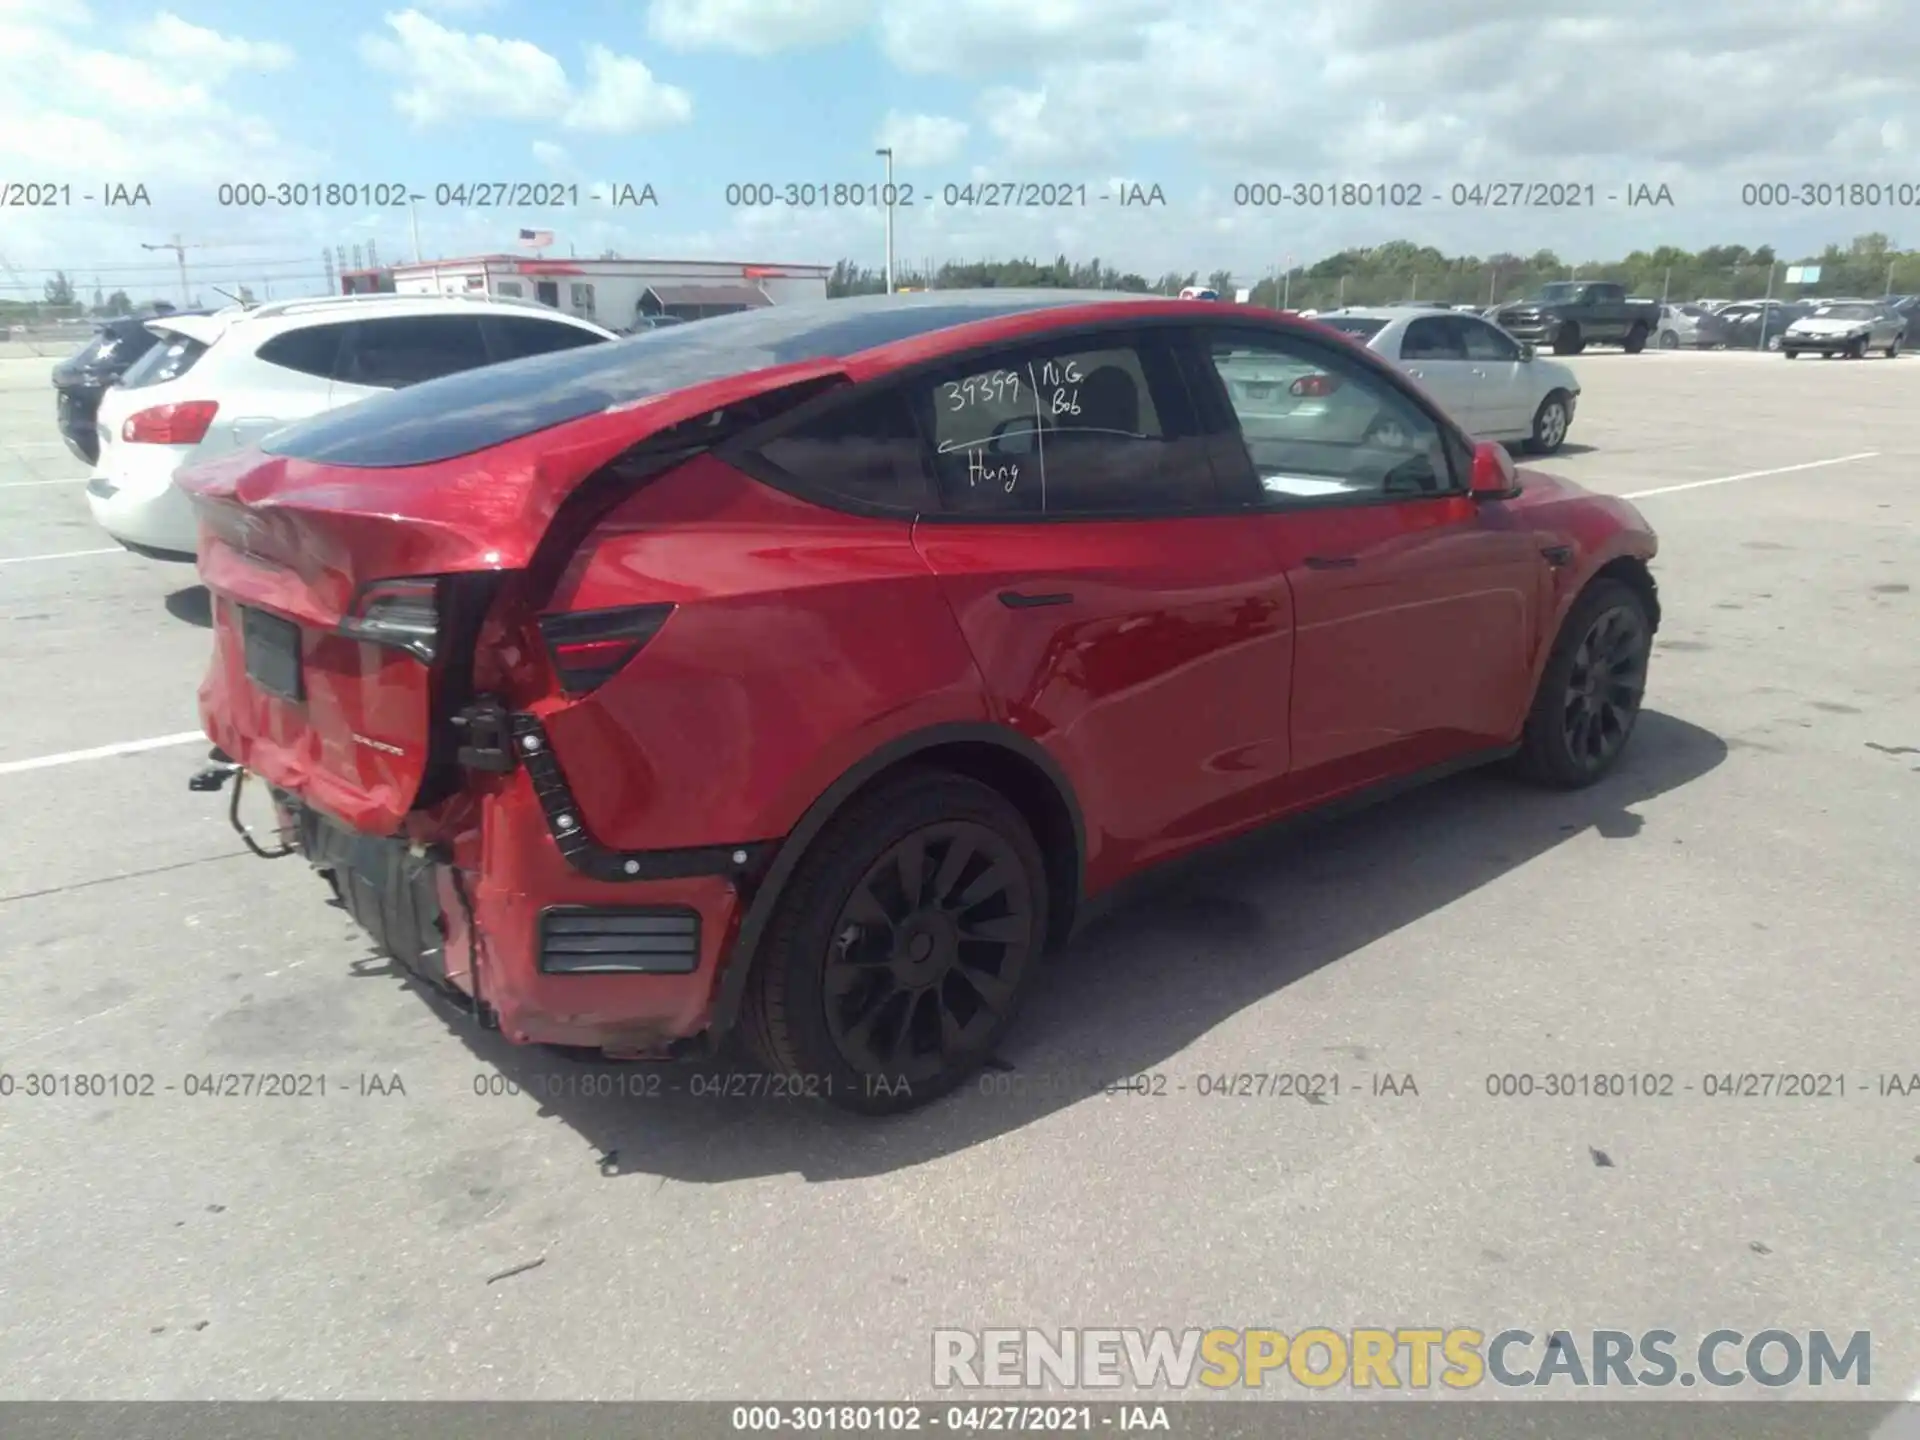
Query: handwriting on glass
1061	380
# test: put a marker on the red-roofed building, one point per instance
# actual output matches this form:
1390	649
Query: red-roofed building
618	293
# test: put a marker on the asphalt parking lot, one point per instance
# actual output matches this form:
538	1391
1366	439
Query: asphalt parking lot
1737	898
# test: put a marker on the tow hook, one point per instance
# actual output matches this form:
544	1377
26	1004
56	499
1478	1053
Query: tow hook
222	769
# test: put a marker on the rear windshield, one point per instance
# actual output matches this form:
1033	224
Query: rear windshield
115	345
465	413
1353	325
169	359
1846	312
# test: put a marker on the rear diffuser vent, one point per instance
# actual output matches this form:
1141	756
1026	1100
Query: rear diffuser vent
579	940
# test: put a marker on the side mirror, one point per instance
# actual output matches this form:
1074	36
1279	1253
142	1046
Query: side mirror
1494	477
1526	350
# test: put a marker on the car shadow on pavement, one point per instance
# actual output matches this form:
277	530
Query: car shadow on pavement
1188	950
192	605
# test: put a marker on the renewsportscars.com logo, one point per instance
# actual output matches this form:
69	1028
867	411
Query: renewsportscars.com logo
1406	1358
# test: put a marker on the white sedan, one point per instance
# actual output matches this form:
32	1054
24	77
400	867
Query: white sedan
1493	384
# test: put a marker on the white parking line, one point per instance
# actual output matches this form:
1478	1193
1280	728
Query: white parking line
29	484
58	555
1752	475
103	752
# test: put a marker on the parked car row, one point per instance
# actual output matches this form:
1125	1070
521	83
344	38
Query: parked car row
809	672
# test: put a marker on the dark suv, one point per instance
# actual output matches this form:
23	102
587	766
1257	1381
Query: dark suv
83	377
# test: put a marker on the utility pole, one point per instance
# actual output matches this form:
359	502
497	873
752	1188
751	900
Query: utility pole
886	151
179	253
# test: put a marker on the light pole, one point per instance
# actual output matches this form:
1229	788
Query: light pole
413	218
180	254
886	151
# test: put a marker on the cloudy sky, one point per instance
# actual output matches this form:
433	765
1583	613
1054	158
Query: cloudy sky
1202	98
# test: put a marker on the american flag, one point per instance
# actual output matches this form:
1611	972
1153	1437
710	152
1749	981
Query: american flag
536	239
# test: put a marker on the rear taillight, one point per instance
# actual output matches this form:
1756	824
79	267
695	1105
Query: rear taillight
590	647
182	424
402	613
1314	385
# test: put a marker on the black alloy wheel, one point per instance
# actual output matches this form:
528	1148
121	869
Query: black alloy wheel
1604	688
928	952
901	945
1590	692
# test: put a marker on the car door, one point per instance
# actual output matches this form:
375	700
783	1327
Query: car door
1433	350
1416	608
382	353
1116	614
1503	381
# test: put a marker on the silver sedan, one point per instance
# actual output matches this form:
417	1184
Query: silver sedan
1493	384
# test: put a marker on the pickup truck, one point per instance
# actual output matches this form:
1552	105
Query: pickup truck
1569	315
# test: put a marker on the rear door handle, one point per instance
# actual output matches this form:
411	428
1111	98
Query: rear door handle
1331	562
1016	600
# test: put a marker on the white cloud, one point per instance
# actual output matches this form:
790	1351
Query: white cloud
553	156
623	97
447	74
962	37
213	55
755	27
922	139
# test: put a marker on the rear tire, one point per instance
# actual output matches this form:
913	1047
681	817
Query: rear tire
879	994
1590	690
1550	423
1636	340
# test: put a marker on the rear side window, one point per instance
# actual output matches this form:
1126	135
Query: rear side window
408	349
314	350
1078	429
169	359
868	452
517	336
1435	339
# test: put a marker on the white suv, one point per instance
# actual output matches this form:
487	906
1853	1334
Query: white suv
225	381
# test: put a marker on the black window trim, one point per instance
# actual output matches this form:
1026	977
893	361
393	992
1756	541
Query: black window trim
1233	466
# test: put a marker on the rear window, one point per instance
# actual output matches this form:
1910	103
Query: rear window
173	356
465	413
1353	325
116	345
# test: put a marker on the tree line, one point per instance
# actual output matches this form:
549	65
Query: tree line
1401	270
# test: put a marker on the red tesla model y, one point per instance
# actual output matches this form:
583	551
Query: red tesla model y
808	671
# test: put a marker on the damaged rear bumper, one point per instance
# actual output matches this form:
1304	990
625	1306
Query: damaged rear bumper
524	930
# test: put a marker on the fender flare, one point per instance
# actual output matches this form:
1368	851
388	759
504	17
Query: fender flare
765	896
